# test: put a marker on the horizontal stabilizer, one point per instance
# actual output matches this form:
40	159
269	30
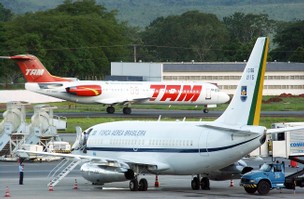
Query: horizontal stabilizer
235	129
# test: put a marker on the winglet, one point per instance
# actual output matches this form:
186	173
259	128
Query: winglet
33	70
245	106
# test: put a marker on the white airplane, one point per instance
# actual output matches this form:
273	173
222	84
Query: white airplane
124	150
110	93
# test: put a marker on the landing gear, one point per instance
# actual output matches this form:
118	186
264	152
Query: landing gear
204	183
141	186
206	110
110	109
195	183
127	110
133	185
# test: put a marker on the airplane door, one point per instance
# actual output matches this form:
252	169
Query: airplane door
203	151
208	94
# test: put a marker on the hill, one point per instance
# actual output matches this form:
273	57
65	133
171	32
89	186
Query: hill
142	12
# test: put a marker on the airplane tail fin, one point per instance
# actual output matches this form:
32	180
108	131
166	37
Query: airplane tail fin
33	70
245	106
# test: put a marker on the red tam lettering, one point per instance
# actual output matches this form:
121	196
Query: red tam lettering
172	92
156	90
189	93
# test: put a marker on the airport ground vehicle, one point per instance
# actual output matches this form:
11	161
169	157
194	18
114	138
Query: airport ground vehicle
271	176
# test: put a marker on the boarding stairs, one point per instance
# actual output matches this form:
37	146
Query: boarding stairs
61	170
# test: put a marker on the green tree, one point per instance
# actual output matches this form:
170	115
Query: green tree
290	42
78	38
244	29
190	36
5	14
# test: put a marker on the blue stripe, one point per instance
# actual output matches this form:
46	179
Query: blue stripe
167	150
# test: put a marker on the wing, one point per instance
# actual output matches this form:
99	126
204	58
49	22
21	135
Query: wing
123	163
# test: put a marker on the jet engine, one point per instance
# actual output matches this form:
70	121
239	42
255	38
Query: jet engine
84	90
99	174
233	171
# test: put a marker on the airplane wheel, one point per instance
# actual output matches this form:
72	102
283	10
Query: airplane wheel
143	185
263	187
110	109
195	183
206	110
127	110
205	184
133	185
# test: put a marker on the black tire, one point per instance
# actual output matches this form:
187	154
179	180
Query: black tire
206	110
195	183
133	185
250	190
263	187
143	184
205	183
126	110
110	109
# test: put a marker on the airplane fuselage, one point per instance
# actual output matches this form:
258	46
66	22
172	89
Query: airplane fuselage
112	92
180	148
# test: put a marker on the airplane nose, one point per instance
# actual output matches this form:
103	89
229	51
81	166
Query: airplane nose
224	97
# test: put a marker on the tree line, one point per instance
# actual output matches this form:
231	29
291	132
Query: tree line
81	39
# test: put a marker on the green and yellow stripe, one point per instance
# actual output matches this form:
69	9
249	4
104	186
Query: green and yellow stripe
255	110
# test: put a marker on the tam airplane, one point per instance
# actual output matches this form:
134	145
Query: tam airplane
111	93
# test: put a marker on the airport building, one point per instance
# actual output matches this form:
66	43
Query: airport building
280	77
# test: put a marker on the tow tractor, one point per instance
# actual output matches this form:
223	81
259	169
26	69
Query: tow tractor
271	176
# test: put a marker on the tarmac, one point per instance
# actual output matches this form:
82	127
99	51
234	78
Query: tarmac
35	186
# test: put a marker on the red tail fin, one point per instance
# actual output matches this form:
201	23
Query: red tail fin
34	71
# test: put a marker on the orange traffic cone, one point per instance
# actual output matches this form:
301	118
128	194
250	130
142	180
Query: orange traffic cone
51	188
231	183
156	184
7	192
75	185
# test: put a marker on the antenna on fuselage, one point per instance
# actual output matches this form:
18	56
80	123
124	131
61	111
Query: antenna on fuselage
159	117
